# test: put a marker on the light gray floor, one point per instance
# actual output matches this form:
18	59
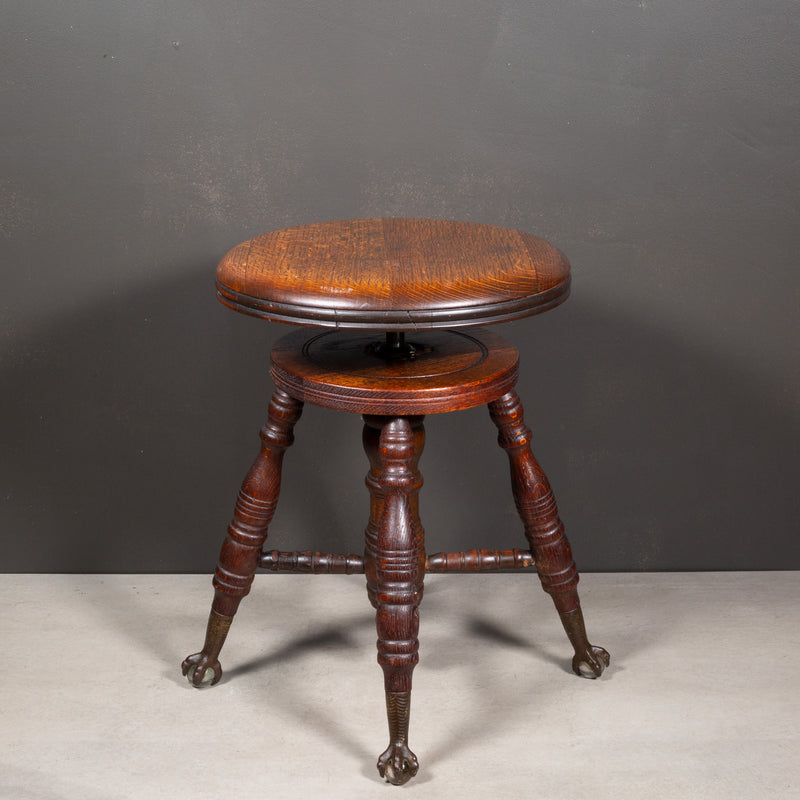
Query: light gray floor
700	701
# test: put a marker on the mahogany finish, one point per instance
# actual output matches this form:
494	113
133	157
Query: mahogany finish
403	278
394	563
247	532
545	531
393	274
480	561
317	563
343	371
312	562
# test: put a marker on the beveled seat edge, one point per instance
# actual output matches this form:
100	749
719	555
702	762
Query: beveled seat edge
395	319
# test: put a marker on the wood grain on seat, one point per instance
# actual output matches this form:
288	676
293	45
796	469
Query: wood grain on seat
393	274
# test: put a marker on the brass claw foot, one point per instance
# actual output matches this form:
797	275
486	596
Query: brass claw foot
591	662
201	670
397	764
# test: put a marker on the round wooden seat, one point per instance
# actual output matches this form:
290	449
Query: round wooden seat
393	274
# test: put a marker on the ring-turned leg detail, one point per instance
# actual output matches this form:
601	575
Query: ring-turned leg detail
241	550
545	532
395	567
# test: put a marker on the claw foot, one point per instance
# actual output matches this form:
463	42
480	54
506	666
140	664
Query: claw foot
397	764
591	662
201	670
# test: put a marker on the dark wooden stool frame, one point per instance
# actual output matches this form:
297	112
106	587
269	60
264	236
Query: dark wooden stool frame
393	382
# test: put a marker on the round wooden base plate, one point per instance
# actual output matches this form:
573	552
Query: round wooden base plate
350	371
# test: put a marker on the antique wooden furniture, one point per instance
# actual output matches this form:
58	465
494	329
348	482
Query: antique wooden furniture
387	294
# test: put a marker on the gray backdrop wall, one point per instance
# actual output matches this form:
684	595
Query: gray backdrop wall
656	143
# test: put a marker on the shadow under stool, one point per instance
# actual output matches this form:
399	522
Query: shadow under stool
386	302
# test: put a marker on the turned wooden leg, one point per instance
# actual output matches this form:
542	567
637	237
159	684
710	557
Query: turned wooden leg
238	560
545	532
395	568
